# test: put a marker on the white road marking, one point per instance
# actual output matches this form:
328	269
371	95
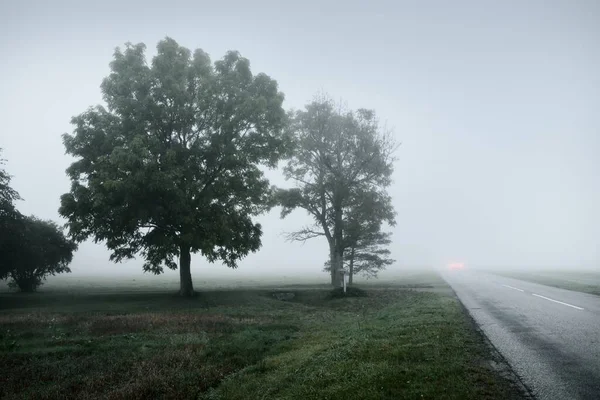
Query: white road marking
556	301
514	288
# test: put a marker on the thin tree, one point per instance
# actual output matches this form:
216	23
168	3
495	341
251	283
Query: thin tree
8	195
340	156
11	222
369	255
365	244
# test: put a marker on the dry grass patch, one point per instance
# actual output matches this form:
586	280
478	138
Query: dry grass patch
165	323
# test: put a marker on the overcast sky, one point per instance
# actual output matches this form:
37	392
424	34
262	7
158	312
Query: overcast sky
496	103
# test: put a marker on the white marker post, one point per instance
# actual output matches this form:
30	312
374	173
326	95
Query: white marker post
344	278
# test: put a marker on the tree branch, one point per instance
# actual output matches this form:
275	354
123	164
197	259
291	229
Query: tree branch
303	235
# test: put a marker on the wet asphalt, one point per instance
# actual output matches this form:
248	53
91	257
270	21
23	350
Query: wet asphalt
550	337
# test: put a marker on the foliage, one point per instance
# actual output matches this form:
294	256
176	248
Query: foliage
11	238
30	249
42	250
367	256
342	163
364	242
7	194
10	222
171	166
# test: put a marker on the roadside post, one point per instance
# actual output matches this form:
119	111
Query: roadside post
344	278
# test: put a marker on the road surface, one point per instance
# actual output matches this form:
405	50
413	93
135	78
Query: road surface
549	336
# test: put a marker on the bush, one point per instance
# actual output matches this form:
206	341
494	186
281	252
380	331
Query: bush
42	250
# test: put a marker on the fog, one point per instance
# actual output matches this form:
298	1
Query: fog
495	103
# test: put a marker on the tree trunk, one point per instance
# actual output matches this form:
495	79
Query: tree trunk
336	264
351	272
332	262
337	261
185	275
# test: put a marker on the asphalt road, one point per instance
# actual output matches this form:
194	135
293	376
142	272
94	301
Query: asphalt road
549	336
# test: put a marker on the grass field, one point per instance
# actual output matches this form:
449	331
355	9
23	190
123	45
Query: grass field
580	281
408	340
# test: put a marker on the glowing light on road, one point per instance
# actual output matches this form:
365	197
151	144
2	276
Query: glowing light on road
456	265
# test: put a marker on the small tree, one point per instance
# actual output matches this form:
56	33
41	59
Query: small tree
30	249
11	239
341	158
43	250
365	245
369	255
171	167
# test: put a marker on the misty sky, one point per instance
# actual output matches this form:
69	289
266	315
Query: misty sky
496	103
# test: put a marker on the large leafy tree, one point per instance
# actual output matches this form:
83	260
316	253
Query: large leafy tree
341	166
171	166
42	250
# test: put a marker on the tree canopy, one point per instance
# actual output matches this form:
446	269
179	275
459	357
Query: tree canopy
171	165
341	165
365	245
41	250
367	256
10	222
8	195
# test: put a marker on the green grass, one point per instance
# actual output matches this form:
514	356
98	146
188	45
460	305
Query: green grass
409	341
580	281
